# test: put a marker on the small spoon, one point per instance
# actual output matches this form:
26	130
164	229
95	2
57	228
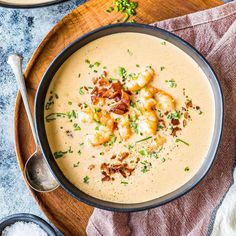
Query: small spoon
36	171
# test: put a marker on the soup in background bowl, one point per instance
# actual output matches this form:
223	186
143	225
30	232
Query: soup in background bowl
28	3
129	117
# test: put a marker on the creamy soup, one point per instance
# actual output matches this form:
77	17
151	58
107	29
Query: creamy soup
30	2
129	118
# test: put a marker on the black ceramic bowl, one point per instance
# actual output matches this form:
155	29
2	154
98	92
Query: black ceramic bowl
9	220
33	5
149	30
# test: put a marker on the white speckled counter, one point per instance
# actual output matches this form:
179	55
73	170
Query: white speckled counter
21	31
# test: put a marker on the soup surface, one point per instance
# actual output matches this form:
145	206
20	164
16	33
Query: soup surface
129	118
30	2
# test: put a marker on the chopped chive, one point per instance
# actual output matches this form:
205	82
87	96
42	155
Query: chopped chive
144	139
130	53
87	61
186	168
110	9
143	152
69	103
137	65
97	63
163	43
76	165
81	91
86	179
182	141
162	68
171	83
124	182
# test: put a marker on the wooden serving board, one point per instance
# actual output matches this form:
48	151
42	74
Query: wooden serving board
68	214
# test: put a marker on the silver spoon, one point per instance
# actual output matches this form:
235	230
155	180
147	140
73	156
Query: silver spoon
36	171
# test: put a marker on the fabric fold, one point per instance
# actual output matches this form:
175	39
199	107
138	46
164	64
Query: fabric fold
213	33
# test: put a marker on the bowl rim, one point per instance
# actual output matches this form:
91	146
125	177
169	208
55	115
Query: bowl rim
133	207
26	217
29	6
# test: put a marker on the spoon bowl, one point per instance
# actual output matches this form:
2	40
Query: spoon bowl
38	175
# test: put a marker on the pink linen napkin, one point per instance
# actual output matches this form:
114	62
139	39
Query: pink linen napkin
213	33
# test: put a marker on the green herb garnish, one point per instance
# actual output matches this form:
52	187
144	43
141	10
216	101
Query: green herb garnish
146	166
81	91
174	115
76	127
86	179
182	141
110	9
76	165
130	53
60	154
124	182
122	72
144	139
143	152
54	115
171	83
186	168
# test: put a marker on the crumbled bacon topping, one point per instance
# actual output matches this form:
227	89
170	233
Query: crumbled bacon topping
175	130
123	156
175	122
91	167
110	169
111	91
189	104
184	123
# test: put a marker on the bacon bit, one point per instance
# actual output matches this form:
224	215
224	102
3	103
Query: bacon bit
120	108
123	173
175	122
110	169
137	160
186	115
106	176
189	104
86	88
115	125
105	73
113	156
184	109
93	156
123	155
166	113
184	123
95	80
104	166
103	81
174	131
162	122
197	107
130	170
116	87
91	167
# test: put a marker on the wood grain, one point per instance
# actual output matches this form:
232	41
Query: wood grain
65	212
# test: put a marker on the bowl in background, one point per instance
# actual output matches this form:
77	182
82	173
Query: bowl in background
23	217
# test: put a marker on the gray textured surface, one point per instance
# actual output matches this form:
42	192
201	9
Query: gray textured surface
20	31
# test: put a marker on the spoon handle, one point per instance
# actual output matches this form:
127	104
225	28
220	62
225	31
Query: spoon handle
15	61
